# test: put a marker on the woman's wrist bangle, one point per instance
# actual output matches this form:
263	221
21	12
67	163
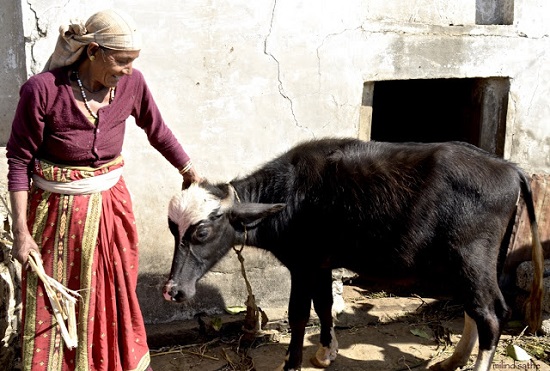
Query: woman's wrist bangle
186	168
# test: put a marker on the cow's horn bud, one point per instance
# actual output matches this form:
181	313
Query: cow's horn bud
229	200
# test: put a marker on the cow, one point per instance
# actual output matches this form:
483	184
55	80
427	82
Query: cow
433	211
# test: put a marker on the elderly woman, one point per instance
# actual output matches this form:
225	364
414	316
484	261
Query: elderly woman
70	202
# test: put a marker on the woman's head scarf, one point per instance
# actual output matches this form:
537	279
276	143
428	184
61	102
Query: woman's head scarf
111	29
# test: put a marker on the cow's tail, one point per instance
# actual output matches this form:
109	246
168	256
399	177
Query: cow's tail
533	310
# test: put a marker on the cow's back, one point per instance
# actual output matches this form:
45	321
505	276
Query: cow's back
385	206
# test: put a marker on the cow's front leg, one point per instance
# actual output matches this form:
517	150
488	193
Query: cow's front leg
298	315
322	302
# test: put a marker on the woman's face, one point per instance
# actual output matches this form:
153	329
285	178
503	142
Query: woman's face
112	65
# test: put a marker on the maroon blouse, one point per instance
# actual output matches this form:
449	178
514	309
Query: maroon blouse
48	125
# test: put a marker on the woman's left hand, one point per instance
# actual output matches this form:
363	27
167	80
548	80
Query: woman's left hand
190	177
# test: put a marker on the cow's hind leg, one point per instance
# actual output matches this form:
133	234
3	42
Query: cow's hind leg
489	325
463	349
485	305
322	302
489	310
489	322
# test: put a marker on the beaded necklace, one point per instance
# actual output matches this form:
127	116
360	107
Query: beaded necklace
83	93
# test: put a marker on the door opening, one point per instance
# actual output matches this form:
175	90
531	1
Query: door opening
469	110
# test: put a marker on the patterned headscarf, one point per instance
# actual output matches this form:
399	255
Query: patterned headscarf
111	28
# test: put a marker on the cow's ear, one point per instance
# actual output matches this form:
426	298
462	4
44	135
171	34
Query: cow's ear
251	214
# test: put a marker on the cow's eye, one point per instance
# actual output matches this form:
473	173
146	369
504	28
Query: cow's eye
202	232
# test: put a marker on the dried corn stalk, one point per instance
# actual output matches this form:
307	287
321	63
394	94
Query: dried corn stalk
62	299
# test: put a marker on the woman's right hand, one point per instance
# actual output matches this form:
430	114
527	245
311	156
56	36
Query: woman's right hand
23	244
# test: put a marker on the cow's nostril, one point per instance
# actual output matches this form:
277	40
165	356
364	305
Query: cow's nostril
178	297
169	291
167	296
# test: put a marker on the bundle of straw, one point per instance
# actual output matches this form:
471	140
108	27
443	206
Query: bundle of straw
62	299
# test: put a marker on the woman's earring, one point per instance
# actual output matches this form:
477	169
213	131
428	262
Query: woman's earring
92	58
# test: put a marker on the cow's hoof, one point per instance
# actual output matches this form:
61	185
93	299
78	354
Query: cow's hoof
323	357
448	365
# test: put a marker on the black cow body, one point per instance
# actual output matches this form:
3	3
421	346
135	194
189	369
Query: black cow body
436	211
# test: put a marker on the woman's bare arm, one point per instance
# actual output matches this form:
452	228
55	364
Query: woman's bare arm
23	242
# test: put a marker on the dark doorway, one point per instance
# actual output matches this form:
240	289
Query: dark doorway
470	110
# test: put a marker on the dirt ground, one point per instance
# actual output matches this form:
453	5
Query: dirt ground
375	332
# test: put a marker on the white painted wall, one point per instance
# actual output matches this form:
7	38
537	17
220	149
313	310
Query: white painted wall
241	81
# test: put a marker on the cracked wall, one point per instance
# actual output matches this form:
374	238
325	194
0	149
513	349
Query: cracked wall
239	82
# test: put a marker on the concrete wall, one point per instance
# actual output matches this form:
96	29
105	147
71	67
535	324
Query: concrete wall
12	64
239	82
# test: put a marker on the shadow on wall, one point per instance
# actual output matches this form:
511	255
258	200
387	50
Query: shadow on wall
156	309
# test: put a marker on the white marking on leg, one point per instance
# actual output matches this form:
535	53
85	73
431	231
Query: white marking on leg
325	355
485	359
333	345
463	349
282	368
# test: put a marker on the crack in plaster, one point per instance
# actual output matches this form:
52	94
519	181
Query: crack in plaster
41	33
32	40
533	95
319	73
511	121
317	51
280	86
539	57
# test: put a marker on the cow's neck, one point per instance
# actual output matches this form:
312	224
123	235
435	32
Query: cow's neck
264	185
254	189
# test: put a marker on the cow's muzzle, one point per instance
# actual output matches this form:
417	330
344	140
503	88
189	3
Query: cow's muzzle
174	292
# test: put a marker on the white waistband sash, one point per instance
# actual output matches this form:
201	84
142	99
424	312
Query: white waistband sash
95	184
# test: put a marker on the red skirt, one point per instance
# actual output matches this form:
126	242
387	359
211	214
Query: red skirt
88	243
